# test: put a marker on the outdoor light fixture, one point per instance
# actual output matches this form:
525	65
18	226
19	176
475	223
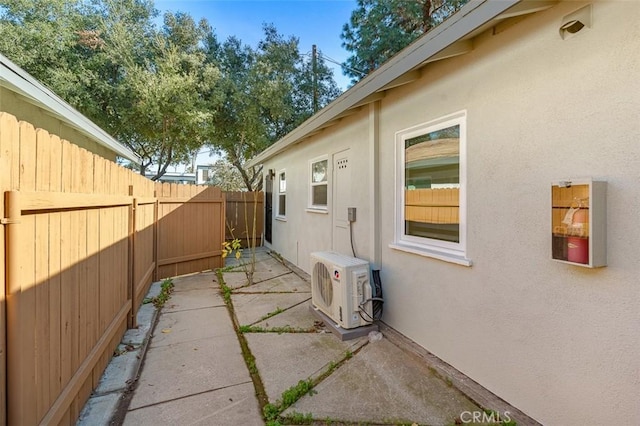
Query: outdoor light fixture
272	173
575	22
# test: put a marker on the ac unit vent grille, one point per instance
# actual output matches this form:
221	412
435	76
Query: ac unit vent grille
323	284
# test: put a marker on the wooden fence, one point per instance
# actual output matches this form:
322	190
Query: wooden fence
239	216
83	240
432	205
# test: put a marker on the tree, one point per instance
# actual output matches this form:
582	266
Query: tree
378	29
165	92
170	95
226	176
268	93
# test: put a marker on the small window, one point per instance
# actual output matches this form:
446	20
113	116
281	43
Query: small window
282	194
431	188
318	190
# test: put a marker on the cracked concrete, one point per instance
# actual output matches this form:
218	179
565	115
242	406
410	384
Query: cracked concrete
194	370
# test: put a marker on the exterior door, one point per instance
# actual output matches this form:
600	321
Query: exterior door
268	207
342	199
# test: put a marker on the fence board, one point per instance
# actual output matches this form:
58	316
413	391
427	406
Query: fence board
8	129
79	262
196	247
239	216
432	205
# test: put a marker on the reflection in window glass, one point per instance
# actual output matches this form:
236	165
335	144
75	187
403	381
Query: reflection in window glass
319	183
282	197
432	185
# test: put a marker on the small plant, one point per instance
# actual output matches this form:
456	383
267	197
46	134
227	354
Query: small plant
271	412
289	397
234	247
272	314
226	291
296	418
166	288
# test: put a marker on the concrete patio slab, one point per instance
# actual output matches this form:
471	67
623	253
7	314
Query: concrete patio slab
191	325
298	318
235	279
232	406
118	374
189	368
182	300
285	359
383	384
251	308
197	281
288	282
99	409
145	318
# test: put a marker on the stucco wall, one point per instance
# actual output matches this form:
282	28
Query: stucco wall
16	105
303	231
558	341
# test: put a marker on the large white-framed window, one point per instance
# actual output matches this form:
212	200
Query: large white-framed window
281	212
430	197
318	183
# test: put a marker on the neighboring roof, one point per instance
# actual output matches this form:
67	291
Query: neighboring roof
18	80
451	38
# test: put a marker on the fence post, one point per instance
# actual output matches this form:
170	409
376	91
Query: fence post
13	289
131	288
156	228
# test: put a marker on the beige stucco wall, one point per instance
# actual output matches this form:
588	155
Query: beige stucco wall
305	231
18	106
560	342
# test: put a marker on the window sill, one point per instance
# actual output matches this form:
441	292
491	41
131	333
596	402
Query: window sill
281	218
318	211
432	253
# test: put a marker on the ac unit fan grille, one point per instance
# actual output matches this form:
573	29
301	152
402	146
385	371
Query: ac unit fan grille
323	284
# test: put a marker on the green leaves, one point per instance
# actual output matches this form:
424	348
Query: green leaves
165	91
378	29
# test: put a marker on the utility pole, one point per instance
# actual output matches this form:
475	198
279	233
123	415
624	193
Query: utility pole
314	77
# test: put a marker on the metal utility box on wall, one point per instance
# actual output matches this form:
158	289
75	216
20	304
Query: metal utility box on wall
578	222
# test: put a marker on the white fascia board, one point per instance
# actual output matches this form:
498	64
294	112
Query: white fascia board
473	15
18	80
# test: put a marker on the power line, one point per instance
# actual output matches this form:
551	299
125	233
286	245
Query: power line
328	59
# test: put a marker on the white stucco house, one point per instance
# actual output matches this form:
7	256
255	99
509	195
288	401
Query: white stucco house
489	109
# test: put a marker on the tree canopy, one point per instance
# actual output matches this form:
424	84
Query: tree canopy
378	29
166	90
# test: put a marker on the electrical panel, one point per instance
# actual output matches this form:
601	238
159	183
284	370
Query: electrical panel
578	222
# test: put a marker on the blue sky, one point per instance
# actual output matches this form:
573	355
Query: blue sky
312	21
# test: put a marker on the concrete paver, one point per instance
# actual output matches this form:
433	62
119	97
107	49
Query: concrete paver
229	406
297	318
194	371
251	308
183	369
285	359
384	383
178	327
285	283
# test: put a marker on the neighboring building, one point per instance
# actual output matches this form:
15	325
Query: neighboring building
491	107
175	177
28	100
203	174
201	177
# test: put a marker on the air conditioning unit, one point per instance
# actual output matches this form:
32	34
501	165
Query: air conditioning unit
340	288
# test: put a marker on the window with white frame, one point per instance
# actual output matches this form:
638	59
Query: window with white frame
318	189
282	194
431	189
